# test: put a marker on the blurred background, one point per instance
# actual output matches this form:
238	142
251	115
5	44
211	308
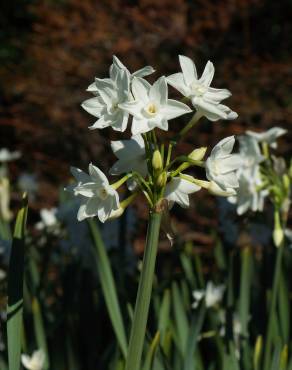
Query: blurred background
50	51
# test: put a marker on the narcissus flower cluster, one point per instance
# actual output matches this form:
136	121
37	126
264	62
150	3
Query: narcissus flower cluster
126	102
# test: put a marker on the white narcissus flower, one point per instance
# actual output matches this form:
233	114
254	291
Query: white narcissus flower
221	166
269	137
5	212
248	196
250	153
113	72
204	98
212	295
178	190
131	157
48	218
98	197
34	362
105	106
151	107
7	156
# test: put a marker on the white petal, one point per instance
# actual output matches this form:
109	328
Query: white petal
86	190
140	89
188	69
145	71
174	109
187	187
103	122
79	175
132	107
159	122
82	215
93	106
118	63
217	95
123	85
121	121
211	110
92	206
140	126
224	147
158	91
106	90
177	81
208	74
97	175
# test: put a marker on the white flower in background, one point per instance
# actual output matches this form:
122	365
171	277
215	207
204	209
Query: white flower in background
114	69
131	157
34	362
250	153
270	137
105	106
212	295
2	274
48	218
98	197
204	98
7	156
178	190
151	107
248	195
221	166
5	212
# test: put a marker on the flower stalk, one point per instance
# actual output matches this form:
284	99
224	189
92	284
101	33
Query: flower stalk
144	293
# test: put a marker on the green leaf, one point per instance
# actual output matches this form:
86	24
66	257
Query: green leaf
163	321
151	352
194	331
181	321
15	290
108	287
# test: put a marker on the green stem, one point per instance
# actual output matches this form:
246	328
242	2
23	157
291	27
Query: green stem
275	287
190	125
144	294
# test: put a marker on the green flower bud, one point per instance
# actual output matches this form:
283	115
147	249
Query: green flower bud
157	161
286	182
161	180
278	233
198	154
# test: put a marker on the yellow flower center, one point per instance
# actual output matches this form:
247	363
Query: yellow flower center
103	194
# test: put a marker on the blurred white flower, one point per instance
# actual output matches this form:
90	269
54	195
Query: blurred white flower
48	218
212	295
6	155
151	107
248	195
98	197
34	362
2	274
178	190
270	137
221	166
250	153
131	157
5	212
105	106
114	69
204	98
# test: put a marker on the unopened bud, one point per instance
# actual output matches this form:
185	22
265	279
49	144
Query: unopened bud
286	182
278	233
161	180
198	154
157	161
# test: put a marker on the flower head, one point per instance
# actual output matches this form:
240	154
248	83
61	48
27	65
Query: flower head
7	156
178	190
270	137
35	361
116	66
204	98
105	106
212	295
221	166
151	107
48	218
97	197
